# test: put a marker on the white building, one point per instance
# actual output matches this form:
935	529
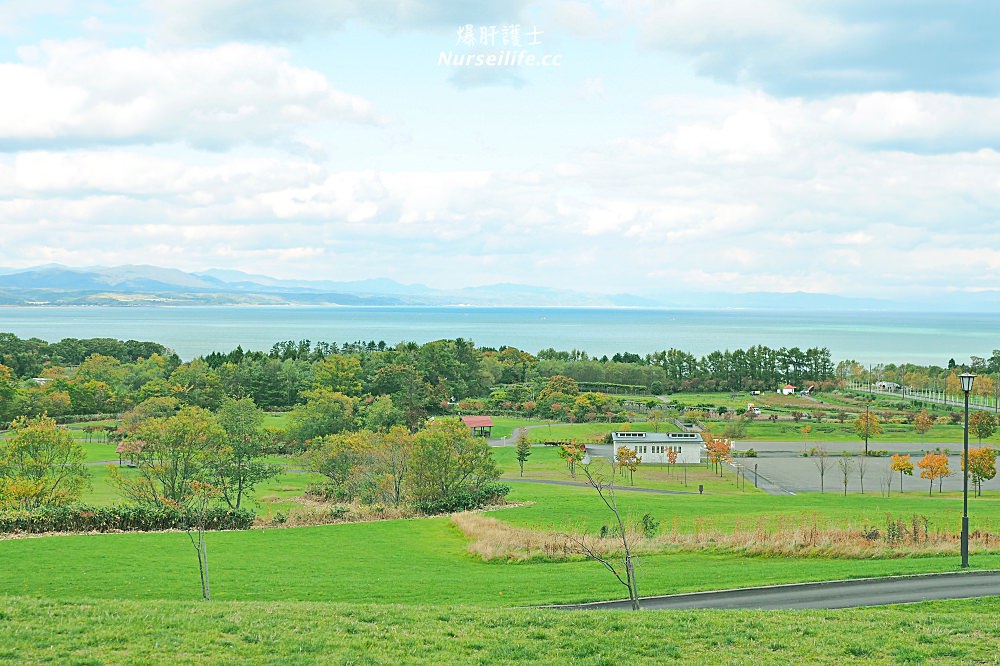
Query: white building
654	447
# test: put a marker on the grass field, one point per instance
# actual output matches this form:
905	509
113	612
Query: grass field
288	633
422	561
409	591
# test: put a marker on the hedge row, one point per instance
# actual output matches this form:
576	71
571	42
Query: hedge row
464	500
127	518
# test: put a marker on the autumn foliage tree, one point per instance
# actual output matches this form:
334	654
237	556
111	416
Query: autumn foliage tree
572	453
718	450
982	466
901	464
627	460
867	426
922	423
934	466
671	457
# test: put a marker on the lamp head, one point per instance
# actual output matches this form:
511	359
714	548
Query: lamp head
967	379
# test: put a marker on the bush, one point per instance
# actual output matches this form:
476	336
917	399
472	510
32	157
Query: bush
464	500
878	453
124	518
327	492
650	525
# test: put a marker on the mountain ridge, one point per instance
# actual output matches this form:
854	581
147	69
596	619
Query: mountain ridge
138	284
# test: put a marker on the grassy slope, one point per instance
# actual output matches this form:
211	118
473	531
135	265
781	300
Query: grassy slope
409	562
176	633
390	591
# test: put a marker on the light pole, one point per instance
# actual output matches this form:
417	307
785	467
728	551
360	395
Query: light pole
967	378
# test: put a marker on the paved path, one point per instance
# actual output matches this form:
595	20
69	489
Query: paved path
618	488
825	595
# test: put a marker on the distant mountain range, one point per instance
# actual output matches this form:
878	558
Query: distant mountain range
131	285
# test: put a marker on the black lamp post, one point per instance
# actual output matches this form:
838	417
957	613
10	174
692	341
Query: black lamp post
967	379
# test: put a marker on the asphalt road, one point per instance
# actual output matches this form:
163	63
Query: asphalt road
826	595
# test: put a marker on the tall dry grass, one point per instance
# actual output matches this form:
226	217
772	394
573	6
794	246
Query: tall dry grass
491	539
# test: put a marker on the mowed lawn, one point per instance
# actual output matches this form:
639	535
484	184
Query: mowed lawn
408	591
425	561
294	634
560	507
421	561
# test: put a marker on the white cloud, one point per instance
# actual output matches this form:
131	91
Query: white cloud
84	93
292	20
826	47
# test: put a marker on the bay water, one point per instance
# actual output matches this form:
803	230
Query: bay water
865	336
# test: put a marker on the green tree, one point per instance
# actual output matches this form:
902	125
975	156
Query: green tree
150	408
523	448
380	413
410	393
169	453
196	383
341	374
346	459
325	412
238	465
40	465
8	394
101	368
448	459
393	452
983	424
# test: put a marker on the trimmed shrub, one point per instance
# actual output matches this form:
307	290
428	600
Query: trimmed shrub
123	518
464	500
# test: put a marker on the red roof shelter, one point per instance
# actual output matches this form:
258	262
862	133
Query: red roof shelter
479	425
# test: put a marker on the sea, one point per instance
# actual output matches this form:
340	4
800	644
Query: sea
869	337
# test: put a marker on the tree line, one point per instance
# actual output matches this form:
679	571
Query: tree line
401	384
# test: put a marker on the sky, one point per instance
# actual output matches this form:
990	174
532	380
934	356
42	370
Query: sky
829	146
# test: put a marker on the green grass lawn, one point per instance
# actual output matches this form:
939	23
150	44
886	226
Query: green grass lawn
562	507
390	562
408	591
270	497
503	426
293	634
